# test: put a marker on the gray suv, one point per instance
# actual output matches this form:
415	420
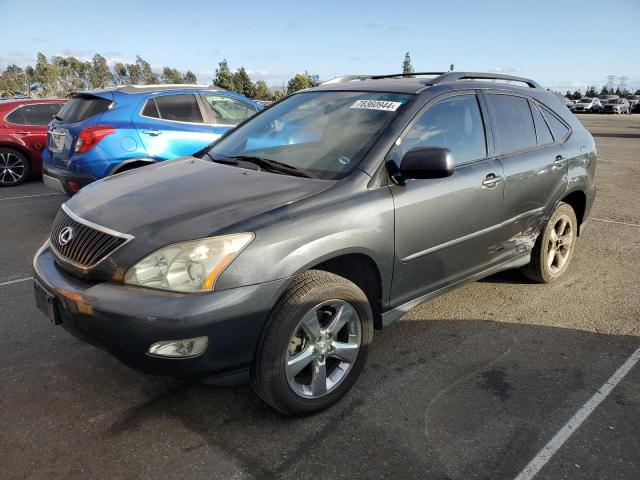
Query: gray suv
273	254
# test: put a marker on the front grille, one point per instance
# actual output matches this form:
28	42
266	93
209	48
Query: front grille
82	243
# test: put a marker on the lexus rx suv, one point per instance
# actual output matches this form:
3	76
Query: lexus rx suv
272	255
104	132
23	136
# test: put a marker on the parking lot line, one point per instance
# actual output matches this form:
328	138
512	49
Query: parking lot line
16	280
539	461
31	196
615	221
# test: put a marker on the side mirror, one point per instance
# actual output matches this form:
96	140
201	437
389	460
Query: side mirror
426	162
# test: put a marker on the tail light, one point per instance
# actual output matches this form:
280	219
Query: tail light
90	136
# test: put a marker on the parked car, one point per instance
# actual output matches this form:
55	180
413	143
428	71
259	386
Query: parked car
617	105
587	104
272	255
103	132
634	102
23	136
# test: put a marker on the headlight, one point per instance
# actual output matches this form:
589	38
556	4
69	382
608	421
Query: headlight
190	266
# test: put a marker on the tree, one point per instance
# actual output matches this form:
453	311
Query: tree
134	76
637	92
299	82
100	76
314	80
120	75
604	91
591	92
171	75
13	80
577	95
46	76
147	75
243	83
190	77
407	68
224	77
262	91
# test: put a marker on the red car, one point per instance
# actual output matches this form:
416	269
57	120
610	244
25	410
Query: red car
23	136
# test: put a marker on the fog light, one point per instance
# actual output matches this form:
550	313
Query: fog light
189	347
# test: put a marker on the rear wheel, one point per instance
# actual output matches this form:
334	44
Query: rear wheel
554	247
14	167
315	345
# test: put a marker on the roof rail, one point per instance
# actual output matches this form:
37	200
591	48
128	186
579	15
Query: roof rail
455	76
167	86
406	75
346	78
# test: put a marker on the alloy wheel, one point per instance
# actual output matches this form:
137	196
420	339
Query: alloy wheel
323	348
560	243
12	168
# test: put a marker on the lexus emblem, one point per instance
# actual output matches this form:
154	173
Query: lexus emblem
65	236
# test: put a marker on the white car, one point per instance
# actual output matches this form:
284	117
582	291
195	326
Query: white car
587	104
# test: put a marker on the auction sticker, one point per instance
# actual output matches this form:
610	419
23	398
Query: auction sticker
376	105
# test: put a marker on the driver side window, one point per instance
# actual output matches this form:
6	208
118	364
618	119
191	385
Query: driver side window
229	111
455	123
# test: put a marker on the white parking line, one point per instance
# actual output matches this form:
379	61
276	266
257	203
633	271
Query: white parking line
615	221
31	196
539	461
17	280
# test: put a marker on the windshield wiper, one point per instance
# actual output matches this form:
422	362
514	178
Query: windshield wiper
264	163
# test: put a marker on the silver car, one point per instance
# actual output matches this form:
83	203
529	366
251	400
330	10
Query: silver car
587	104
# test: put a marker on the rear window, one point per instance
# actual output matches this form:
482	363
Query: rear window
81	107
179	108
40	114
514	122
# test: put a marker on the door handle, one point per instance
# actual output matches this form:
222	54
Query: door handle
154	133
491	180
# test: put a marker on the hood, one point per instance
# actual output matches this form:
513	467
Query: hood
187	198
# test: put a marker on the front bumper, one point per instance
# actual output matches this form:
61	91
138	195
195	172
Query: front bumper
125	320
65	181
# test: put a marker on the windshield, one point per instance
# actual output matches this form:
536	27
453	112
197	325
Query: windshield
323	134
615	100
586	100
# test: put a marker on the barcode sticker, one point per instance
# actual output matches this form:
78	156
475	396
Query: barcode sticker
376	105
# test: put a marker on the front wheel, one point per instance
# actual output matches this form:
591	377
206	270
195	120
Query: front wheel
554	247
315	344
14	167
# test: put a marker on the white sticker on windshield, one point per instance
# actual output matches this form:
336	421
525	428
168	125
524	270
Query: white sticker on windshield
376	105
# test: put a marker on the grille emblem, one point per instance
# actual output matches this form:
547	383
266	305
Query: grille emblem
65	236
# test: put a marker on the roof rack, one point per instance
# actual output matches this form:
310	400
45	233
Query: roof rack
440	77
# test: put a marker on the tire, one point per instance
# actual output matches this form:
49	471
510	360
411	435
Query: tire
553	250
292	340
14	167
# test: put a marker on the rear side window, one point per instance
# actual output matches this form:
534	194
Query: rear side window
16	117
150	109
40	114
454	123
559	129
514	122
229	111
542	129
179	108
82	107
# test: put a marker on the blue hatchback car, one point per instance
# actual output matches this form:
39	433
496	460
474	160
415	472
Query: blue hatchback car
102	132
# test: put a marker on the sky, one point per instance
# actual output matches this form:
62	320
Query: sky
561	44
